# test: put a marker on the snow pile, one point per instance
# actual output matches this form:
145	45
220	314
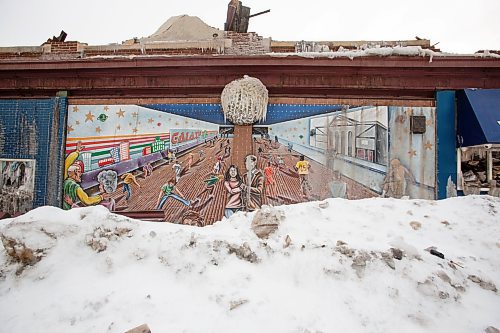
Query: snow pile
331	266
184	28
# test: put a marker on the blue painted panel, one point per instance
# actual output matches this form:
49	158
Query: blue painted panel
446	139
276	113
35	129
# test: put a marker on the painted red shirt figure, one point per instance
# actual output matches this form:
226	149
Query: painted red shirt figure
269	173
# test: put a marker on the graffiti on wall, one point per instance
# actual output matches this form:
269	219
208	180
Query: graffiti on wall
176	164
17	183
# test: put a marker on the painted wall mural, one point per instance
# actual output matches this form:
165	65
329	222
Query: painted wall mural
175	164
17	184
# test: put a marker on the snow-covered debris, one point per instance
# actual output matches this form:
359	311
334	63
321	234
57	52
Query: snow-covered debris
336	265
382	51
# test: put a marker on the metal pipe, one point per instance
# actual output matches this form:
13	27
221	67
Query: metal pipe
260	13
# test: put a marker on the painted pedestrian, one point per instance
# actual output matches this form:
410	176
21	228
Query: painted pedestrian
253	184
177	169
302	167
128	180
232	184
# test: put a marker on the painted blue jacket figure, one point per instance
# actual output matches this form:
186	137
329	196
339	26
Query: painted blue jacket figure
170	191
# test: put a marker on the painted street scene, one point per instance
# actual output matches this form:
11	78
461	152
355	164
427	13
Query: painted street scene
171	167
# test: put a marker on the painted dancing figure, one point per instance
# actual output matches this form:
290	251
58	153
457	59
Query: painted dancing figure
170	191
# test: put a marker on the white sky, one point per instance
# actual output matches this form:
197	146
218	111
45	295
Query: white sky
459	26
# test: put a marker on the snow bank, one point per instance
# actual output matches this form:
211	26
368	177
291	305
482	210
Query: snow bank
330	266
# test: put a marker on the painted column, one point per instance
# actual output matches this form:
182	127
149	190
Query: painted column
242	145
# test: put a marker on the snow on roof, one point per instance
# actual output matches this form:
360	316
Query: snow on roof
383	52
332	266
410	51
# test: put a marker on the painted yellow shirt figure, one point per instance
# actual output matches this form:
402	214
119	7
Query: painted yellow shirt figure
302	167
128	179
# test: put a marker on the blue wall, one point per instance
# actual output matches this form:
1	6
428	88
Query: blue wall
446	138
35	129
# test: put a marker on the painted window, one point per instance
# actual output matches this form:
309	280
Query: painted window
349	143
337	141
342	143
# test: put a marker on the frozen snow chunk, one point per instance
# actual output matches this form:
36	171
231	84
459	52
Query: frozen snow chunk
266	221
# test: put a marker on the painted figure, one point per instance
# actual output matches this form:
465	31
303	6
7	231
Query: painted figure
227	152
232	183
171	156
269	173
177	169
128	179
395	180
190	159
108	182
302	167
72	191
218	165
170	191
147	169
253	184
210	183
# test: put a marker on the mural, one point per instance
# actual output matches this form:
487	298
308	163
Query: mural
16	185
176	162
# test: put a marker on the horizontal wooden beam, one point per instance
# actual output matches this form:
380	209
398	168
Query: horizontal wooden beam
372	78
